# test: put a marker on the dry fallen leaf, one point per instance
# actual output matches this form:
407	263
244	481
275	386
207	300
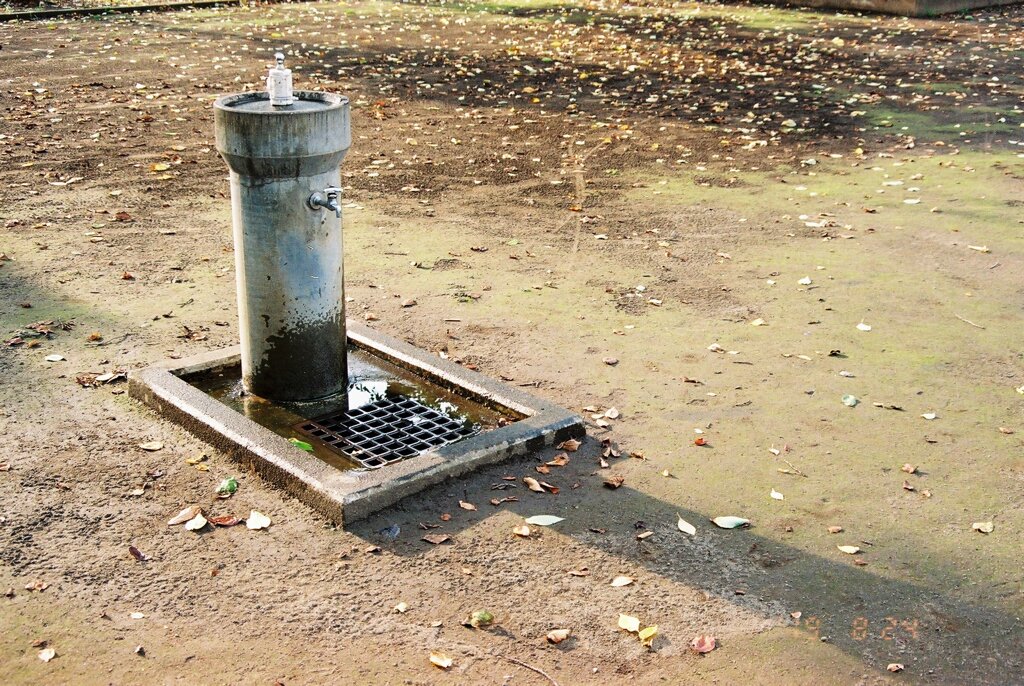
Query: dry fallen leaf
533	484
185	515
909	468
613	481
522	530
401	608
647	635
686	527
196	523
47	654
559	460
895	667
730	522
226	520
556	636
703	644
983	527
437	539
257	520
631	624
848	549
151	446
544	520
467	506
776	495
441	660
835	529
620	581
571	445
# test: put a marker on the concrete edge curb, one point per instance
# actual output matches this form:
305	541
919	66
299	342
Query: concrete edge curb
347	496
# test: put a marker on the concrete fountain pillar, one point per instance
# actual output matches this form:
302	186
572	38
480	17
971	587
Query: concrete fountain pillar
284	149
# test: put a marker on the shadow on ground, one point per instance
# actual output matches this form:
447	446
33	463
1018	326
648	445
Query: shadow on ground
879	620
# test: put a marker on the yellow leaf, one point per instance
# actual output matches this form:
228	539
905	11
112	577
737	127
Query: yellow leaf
159	166
647	635
441	660
628	623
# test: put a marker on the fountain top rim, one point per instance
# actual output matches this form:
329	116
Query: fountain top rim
258	102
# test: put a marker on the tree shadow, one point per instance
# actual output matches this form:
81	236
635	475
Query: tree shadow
939	636
748	79
822	78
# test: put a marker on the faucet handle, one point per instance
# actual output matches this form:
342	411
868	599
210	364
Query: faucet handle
328	199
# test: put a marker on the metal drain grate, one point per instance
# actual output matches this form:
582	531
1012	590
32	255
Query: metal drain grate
386	431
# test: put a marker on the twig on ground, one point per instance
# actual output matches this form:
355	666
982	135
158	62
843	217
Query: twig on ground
968	321
538	670
794	470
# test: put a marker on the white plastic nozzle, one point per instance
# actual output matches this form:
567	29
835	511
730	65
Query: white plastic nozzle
279	83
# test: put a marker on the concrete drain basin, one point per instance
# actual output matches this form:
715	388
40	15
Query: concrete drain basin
346	419
409	420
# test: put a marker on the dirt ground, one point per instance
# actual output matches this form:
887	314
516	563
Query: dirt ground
572	183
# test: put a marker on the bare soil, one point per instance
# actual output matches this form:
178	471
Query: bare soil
569	182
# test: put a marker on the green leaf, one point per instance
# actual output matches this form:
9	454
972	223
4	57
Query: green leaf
302	445
228	486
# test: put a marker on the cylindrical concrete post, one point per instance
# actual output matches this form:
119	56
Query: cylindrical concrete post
288	251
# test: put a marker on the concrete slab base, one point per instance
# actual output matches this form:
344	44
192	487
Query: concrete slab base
346	496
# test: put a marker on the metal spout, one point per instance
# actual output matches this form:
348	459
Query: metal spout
328	199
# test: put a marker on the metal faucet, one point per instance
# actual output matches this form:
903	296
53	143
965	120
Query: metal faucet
327	199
